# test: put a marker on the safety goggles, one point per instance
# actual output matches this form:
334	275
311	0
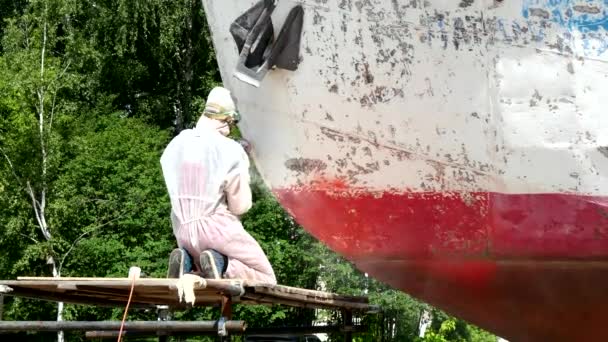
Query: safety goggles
230	118
216	112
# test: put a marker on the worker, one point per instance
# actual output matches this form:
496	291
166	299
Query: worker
207	176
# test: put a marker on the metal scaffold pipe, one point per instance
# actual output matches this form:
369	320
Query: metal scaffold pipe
143	326
276	331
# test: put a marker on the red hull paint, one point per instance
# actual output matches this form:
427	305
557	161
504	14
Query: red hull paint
526	266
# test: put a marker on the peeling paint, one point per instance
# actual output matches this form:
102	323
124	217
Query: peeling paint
332	134
570	68
590	9
466	3
305	165
539	12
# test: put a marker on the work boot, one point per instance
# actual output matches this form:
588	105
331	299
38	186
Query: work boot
180	262
213	264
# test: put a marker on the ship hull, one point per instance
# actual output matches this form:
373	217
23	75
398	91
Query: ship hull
526	267
454	150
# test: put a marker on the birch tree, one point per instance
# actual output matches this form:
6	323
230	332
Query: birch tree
37	69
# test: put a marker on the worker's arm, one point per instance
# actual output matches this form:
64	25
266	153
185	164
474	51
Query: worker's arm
238	192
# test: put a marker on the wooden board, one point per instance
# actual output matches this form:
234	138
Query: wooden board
151	292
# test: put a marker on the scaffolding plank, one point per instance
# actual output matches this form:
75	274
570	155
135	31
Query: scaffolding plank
304	294
161	291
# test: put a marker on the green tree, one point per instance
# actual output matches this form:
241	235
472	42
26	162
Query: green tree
158	60
9	9
113	204
109	209
399	313
447	328
479	335
36	69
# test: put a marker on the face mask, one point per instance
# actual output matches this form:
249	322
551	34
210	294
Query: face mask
221	126
224	129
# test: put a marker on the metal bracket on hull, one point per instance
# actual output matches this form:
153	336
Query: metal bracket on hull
253	34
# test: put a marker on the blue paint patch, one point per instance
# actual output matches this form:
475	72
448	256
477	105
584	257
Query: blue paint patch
581	15
589	17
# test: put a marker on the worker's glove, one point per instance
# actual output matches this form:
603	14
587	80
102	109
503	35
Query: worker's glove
246	145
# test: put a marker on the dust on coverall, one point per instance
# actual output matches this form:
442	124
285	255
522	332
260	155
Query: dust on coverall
207	176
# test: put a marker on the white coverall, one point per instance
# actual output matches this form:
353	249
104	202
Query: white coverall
207	176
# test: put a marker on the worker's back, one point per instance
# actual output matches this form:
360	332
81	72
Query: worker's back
196	165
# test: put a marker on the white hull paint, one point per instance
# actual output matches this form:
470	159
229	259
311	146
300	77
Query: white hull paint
477	97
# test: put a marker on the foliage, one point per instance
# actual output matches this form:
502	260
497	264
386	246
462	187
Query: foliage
110	210
478	335
457	332
38	52
451	329
157	58
447	328
398	319
112	190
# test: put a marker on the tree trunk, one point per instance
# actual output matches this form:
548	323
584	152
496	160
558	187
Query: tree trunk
56	274
39	203
179	118
425	321
187	71
185	52
60	336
